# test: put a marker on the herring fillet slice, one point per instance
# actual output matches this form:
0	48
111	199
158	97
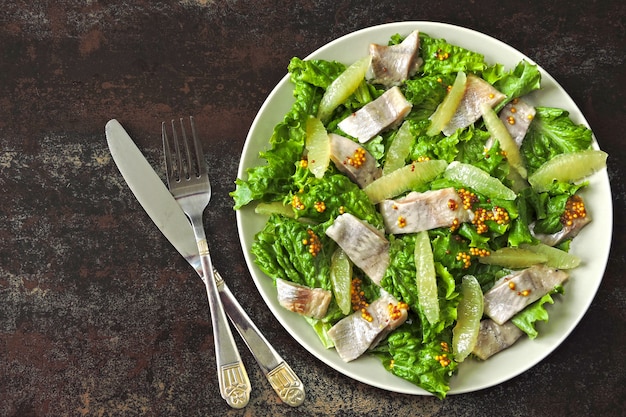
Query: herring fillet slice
366	246
493	338
512	293
387	110
355	334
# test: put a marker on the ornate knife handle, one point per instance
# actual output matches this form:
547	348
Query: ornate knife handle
281	377
286	384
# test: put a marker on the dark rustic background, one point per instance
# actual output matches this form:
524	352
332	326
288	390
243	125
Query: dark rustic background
99	316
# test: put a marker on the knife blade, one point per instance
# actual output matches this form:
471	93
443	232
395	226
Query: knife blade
167	215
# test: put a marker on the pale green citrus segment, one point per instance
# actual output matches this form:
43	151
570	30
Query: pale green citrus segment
341	280
469	313
518	183
568	167
399	149
317	146
512	257
479	180
556	258
500	133
404	179
275	207
343	87
441	117
426	278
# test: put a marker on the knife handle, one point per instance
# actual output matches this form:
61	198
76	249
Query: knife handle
281	377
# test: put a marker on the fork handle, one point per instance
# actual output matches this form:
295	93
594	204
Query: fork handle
232	375
281	377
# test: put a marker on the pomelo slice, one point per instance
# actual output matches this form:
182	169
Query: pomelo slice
343	87
469	313
556	258
500	133
568	167
317	146
426	277
479	180
399	149
341	280
513	258
404	179
441	117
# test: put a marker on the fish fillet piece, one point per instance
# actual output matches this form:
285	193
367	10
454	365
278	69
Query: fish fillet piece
514	292
353	160
574	218
392	65
493	338
477	91
365	245
424	211
517	116
567	232
310	302
360	331
386	111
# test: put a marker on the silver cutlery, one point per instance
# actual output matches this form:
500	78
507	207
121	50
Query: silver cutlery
167	215
189	183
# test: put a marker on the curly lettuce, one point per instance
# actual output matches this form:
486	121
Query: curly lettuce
551	133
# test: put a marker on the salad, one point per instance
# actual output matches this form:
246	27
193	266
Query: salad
431	291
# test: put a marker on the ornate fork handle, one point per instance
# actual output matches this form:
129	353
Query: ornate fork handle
281	377
233	378
189	184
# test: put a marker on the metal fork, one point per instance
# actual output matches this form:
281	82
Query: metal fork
188	182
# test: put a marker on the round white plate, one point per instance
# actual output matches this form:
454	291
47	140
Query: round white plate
592	245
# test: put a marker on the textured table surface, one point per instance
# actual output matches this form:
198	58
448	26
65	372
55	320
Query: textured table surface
99	316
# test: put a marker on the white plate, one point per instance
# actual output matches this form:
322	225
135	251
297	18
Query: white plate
592	244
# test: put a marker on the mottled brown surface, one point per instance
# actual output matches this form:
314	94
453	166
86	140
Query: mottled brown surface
99	316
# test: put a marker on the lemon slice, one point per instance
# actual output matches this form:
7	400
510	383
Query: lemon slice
567	167
441	117
341	280
404	179
342	87
317	146
469	313
426	277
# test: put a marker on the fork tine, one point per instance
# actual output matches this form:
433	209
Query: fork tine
187	165
191	188
180	166
198	147
169	168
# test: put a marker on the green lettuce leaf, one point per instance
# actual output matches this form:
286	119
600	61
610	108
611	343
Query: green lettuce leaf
551	133
425	94
523	79
405	355
527	318
280	252
338	195
271	182
440	57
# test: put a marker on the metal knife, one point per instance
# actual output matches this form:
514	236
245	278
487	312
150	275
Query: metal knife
165	212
